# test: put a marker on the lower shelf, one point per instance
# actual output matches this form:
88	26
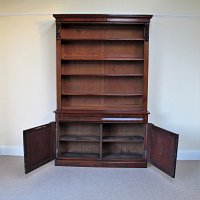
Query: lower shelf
125	156
96	156
100	163
93	156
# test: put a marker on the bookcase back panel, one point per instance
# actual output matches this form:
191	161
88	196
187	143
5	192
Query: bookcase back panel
121	32
123	67
122	148
123	85
80	32
102	67
123	129
82	67
123	102
79	129
102	32
123	49
84	85
81	50
79	147
81	101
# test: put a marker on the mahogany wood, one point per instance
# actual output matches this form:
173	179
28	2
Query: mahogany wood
102	89
39	146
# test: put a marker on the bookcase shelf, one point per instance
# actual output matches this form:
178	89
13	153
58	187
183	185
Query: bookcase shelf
92	94
79	138
105	75
123	139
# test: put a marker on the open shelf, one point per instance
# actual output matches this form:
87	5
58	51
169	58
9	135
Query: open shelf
74	138
99	31
123	139
102	50
79	155
119	156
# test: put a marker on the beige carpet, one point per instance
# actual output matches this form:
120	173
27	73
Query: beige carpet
73	183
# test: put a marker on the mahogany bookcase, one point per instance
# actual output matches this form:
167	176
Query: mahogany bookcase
102	90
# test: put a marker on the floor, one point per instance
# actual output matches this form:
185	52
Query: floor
74	183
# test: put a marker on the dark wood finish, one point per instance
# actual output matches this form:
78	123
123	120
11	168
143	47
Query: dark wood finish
123	139
102	65
39	146
162	149
102	90
79	139
135	163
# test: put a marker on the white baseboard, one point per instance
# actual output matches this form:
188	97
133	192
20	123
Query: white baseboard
11	151
18	151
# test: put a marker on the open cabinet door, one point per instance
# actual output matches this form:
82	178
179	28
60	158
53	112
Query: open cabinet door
39	146
162	148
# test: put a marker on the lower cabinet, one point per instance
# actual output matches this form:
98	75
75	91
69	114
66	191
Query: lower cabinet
108	142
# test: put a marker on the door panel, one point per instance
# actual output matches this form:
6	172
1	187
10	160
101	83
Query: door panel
162	149
39	146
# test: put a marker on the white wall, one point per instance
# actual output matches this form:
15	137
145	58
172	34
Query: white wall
27	65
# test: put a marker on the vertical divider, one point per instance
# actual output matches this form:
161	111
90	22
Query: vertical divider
100	147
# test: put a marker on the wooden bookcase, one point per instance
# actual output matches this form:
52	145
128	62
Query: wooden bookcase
102	82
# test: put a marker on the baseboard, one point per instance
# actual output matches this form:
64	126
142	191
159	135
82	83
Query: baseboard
11	151
18	151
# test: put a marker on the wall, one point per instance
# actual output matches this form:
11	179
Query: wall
27	65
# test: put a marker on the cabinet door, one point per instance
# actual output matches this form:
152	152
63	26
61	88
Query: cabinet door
162	148
39	146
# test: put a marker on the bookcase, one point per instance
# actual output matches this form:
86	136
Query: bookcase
102	87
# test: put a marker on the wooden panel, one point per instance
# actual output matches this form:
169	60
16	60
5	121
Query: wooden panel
39	146
102	32
79	147
162	149
121	129
124	101
123	67
123	49
74	138
122	148
101	67
80	101
81	50
82	85
81	32
101	102
126	19
124	32
125	139
81	67
125	85
124	156
79	129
